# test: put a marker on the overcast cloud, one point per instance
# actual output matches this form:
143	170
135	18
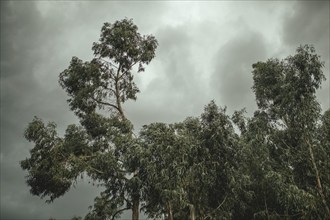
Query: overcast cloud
205	52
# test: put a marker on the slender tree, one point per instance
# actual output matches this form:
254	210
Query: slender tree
102	144
163	170
283	137
191	166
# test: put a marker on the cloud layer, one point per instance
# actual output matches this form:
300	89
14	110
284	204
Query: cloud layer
205	52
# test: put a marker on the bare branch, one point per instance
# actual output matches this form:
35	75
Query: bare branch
123	73
105	103
118	211
109	63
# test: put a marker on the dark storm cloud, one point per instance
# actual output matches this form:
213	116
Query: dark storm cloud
198	59
26	44
232	78
176	91
14	78
179	77
308	22
22	53
28	87
38	40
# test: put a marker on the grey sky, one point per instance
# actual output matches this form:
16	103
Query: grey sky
205	52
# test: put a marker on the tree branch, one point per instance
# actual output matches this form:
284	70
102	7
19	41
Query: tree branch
117	94
111	90
118	211
98	171
219	206
102	173
123	73
317	176
105	103
109	63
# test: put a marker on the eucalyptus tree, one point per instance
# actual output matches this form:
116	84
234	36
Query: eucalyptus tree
169	154
217	164
284	137
323	153
163	170
103	144
190	170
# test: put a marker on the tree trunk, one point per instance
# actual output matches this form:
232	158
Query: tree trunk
169	211
117	94
318	179
135	209
135	200
120	109
192	212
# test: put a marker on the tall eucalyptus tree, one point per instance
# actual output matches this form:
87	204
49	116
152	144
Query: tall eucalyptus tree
102	144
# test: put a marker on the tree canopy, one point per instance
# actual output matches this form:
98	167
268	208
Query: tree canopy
273	165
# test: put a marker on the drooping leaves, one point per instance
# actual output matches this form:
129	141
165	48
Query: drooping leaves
49	173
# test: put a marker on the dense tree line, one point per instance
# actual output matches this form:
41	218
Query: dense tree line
273	165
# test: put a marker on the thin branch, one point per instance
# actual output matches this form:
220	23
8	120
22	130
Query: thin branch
118	72
117	94
105	103
130	67
98	171
111	90
109	63
101	172
317	176
219	206
118	211
222	202
133	64
266	206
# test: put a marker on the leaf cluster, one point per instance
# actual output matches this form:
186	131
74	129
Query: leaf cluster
273	165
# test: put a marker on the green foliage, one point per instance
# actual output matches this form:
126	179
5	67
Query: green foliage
191	164
162	168
274	166
107	80
285	88
217	156
49	174
103	146
122	43
286	140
